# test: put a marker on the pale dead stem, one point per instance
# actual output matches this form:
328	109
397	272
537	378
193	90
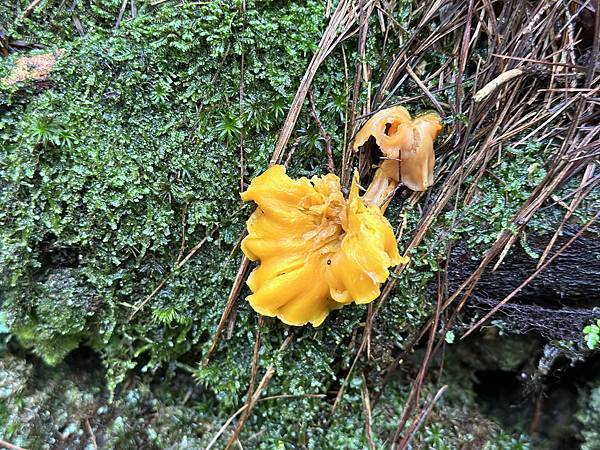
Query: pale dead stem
504	77
347	149
254	397
183	231
121	12
324	134
238	282
426	90
420	419
223	428
10	446
253	371
242	72
366	398
577	199
340	24
90	431
30	8
415	393
362	76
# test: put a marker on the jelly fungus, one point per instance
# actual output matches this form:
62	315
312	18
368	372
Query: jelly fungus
319	251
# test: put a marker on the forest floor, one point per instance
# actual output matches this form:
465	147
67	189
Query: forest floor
128	130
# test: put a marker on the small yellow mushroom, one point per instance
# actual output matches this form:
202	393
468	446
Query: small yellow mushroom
406	142
317	250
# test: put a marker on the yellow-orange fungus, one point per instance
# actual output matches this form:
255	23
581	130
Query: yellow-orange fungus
317	250
407	142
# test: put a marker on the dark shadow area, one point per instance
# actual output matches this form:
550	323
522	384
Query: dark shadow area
545	408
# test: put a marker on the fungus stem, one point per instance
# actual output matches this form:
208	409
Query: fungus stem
384	182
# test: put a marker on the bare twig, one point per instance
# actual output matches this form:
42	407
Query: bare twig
219	433
30	8
121	12
342	20
233	294
424	88
418	422
324	134
90	431
253	371
368	413
242	60
10	446
256	396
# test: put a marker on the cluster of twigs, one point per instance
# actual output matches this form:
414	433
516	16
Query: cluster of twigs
517	71
535	82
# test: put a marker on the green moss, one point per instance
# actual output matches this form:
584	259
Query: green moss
52	21
57	315
136	141
589	417
135	144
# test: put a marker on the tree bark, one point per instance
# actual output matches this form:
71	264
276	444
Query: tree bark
557	304
572	279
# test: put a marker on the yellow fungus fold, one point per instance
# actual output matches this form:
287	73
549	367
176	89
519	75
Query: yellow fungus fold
317	250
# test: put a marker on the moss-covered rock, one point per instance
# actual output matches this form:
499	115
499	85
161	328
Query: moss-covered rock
68	406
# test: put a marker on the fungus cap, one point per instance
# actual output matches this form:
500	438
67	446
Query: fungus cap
408	141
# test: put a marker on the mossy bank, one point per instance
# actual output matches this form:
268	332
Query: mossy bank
119	186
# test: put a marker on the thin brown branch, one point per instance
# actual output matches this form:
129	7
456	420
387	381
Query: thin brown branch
253	371
233	294
418	422
256	396
368	413
242	72
223	428
90	431
415	394
577	199
427	92
10	446
26	13
342	20
183	231
121	12
324	134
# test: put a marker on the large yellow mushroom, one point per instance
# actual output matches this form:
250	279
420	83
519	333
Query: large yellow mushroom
319	251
